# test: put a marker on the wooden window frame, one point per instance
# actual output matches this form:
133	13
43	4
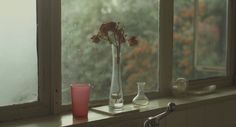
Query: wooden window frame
166	56
42	106
223	81
165	78
49	57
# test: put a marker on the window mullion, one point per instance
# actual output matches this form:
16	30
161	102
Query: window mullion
195	34
231	40
43	51
166	45
55	54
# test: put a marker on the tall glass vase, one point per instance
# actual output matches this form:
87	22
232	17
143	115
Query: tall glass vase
116	100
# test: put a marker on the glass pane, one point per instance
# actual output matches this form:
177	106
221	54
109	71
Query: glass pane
18	53
83	61
200	38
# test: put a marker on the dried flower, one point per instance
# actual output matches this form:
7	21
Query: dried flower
95	38
113	33
120	35
107	27
132	41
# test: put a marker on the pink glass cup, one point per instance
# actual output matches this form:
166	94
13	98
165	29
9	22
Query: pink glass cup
80	99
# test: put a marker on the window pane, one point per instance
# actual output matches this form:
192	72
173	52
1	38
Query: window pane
200	38
18	53
83	61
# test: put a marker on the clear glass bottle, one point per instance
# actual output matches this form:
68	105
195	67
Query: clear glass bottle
141	99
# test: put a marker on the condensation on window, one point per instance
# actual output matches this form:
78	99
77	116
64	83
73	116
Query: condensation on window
83	61
18	52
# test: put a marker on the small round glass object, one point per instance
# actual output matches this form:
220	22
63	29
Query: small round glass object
141	99
179	87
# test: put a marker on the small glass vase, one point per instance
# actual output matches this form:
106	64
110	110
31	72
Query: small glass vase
116	100
141	99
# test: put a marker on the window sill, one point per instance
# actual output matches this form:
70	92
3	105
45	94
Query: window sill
98	119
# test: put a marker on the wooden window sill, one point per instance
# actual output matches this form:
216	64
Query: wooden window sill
98	119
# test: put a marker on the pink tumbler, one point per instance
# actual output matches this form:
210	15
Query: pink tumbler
80	99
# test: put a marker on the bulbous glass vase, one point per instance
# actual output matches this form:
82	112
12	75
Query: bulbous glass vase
141	99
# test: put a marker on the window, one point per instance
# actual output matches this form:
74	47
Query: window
200	39
45	46
199	43
25	59
18	53
81	19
